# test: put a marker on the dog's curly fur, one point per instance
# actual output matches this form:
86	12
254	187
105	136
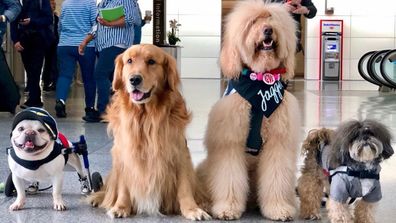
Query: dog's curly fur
312	183
229	173
346	147
152	171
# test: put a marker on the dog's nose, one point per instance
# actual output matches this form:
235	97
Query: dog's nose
30	133
136	80
268	31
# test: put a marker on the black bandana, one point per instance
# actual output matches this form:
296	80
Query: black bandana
264	98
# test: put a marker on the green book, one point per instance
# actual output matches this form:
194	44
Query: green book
111	14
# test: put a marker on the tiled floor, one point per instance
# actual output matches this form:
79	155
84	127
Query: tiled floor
322	103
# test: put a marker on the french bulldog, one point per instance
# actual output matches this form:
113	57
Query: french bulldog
36	156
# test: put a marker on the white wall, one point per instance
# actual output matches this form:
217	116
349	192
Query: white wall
368	25
199	33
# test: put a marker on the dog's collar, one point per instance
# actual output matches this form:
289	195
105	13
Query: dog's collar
268	77
35	164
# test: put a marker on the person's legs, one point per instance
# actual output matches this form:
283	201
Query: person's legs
103	72
67	67
87	65
33	58
50	71
46	76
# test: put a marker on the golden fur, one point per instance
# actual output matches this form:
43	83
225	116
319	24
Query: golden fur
152	170
231	176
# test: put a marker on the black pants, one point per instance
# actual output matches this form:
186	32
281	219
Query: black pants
33	58
50	72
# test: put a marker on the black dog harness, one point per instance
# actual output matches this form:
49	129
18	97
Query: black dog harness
265	92
35	164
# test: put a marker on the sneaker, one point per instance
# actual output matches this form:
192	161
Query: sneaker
84	185
29	104
91	115
60	109
49	87
33	188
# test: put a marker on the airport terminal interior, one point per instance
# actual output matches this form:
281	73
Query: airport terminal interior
358	83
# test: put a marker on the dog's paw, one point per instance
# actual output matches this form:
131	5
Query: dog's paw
311	217
17	205
117	212
279	213
226	212
196	214
59	205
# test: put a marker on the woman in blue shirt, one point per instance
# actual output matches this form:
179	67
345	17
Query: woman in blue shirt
76	20
112	38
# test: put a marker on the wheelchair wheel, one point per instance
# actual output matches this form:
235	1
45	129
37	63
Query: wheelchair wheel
97	181
9	188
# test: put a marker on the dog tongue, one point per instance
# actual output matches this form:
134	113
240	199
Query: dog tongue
29	144
137	95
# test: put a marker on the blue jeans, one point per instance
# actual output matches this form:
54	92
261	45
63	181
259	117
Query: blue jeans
68	57
104	75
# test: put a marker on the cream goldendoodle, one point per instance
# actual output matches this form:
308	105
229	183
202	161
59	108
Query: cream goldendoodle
252	132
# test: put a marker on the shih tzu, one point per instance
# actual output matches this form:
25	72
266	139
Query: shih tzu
349	159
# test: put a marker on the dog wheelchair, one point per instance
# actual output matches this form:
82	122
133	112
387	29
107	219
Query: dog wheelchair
89	183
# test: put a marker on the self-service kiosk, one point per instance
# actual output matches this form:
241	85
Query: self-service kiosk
331	49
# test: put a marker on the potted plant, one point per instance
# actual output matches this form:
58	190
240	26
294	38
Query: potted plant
172	34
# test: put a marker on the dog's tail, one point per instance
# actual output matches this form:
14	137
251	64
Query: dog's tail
315	140
95	199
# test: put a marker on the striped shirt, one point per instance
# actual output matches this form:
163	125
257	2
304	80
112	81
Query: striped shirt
117	36
76	20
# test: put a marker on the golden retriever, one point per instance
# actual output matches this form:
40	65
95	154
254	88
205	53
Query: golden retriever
152	171
260	38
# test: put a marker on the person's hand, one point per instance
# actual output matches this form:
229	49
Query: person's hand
295	2
81	48
301	10
24	22
18	47
103	22
147	18
290	7
3	18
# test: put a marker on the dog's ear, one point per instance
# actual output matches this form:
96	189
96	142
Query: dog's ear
341	143
383	134
387	150
172	74
230	60
117	81
286	47
386	137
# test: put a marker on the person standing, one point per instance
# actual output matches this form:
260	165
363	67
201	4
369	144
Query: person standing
76	20
112	38
298	8
9	10
31	34
138	29
50	71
